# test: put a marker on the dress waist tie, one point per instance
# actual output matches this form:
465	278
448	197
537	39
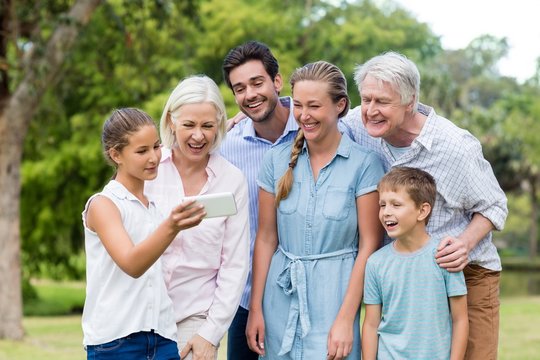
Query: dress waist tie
294	283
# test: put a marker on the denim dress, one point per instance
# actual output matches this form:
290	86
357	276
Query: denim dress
318	243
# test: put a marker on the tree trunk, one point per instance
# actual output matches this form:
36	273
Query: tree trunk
10	274
533	235
16	112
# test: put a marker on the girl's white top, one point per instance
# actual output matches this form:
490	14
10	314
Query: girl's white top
117	304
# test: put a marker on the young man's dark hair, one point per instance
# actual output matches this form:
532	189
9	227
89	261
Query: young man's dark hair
251	50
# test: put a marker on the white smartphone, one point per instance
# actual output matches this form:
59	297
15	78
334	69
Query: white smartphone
218	204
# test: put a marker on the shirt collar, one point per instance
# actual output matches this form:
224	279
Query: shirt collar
120	191
428	132
166	155
249	130
344	148
212	168
214	165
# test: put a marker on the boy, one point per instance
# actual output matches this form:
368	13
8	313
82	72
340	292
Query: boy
414	308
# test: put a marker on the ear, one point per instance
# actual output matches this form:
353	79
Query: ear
424	211
115	156
341	104
410	106
278	82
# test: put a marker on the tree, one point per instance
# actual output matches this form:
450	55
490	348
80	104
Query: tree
466	78
42	64
131	52
467	88
521	113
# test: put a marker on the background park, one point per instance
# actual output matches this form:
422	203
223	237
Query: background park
65	64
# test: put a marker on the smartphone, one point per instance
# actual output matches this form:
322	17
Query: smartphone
218	204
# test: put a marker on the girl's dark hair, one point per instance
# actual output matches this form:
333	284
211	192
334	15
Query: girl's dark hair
119	126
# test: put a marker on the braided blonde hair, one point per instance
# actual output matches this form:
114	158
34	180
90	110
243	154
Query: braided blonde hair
337	89
286	181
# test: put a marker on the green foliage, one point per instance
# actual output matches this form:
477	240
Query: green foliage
54	298
350	34
133	53
522	111
63	164
54	190
514	239
29	292
265	20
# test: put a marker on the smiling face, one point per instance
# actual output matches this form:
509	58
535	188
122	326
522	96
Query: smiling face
314	110
139	159
195	127
383	114
254	90
400	215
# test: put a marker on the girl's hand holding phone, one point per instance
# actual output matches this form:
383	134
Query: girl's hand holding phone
186	215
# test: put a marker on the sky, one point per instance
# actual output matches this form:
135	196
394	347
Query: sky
458	22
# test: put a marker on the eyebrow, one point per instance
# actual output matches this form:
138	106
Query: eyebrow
309	102
251	79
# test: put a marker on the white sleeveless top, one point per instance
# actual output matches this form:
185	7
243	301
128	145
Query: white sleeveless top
117	304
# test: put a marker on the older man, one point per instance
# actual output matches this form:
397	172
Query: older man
470	203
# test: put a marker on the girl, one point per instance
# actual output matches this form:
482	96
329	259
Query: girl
205	267
310	252
127	313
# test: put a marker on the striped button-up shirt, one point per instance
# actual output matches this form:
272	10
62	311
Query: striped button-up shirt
465	181
244	149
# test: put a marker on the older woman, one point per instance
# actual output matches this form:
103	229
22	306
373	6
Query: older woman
205	268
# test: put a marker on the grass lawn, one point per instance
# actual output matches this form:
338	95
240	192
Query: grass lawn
60	337
54	338
520	329
47	338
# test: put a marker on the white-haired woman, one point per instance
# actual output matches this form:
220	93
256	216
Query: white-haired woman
205	269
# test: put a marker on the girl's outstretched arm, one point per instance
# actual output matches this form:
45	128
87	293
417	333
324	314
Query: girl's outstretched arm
104	218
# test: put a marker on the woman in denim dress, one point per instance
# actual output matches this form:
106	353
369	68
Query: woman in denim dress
318	225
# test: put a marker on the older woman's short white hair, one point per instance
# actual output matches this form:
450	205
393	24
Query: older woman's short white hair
395	69
193	90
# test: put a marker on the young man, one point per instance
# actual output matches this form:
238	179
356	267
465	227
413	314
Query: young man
470	203
252	73
424	305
